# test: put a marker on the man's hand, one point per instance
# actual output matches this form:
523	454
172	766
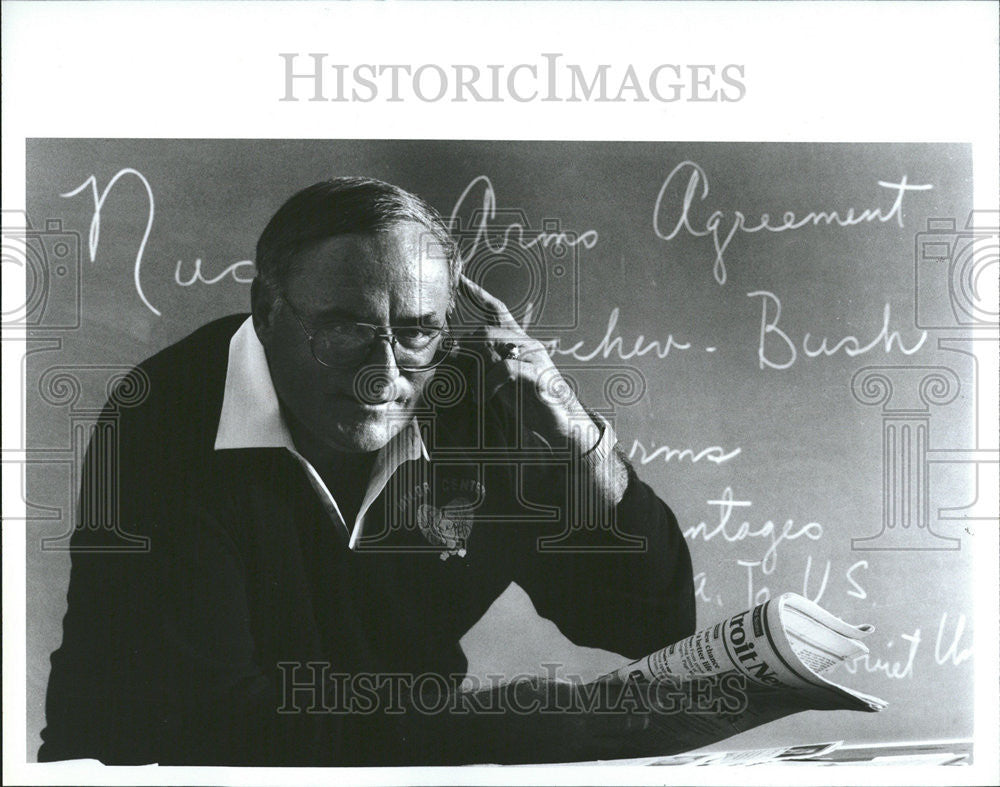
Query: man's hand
520	366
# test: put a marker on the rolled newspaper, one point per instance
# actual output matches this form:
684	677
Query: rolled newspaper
787	642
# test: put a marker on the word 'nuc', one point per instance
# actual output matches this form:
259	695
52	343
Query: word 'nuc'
310	77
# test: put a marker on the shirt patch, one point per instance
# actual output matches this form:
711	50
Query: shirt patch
428	508
418	493
468	487
449	526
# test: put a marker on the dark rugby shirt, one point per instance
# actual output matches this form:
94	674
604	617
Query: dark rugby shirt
228	573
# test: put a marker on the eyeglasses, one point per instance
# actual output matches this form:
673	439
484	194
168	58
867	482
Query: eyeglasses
344	344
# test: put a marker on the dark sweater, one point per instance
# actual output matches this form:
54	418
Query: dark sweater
185	651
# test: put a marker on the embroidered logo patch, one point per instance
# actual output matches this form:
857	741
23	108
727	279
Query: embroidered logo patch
448	527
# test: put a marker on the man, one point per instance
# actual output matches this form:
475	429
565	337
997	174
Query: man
317	510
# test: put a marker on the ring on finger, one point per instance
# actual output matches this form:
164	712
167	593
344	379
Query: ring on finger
510	351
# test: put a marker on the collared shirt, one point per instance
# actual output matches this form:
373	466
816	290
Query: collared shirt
180	653
251	418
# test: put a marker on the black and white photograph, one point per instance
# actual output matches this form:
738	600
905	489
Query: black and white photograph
462	407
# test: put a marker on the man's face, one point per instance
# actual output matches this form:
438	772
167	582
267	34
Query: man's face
386	279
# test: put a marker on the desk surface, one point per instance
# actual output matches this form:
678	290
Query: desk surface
927	753
942	752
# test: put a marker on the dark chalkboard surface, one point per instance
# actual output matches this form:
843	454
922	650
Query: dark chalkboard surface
782	335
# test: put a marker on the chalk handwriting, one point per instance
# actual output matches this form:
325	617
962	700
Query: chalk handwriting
762	594
952	654
485	217
615	344
897	670
754	597
197	277
700	593
99	198
758	594
769	531
787	353
95	223
670	220
714	453
858	592
805	581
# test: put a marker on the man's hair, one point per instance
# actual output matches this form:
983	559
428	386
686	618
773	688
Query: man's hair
344	206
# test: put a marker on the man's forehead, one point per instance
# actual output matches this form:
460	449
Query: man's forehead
404	260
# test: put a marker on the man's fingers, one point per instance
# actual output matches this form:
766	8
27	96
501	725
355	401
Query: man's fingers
490	304
478	293
498	336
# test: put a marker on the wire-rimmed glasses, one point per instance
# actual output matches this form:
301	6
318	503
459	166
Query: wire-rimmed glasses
345	344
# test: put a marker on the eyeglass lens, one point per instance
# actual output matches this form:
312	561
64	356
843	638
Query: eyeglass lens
348	344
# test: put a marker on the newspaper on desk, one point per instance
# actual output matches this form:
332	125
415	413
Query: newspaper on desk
778	653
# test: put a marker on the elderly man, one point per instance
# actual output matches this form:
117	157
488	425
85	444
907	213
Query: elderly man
319	507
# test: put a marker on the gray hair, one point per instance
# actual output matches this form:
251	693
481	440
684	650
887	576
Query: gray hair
343	206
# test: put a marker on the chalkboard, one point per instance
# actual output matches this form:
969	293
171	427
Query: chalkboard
781	334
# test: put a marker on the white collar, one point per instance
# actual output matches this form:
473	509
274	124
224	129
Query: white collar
251	418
